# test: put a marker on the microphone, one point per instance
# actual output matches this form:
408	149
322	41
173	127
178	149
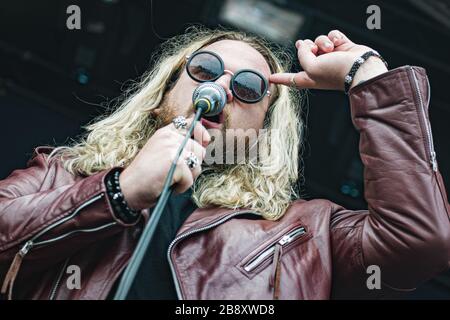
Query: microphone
210	97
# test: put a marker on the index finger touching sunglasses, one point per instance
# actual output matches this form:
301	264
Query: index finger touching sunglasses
247	85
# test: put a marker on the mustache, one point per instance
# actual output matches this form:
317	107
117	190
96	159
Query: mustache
165	113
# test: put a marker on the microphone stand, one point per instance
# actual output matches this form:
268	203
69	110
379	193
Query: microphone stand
147	235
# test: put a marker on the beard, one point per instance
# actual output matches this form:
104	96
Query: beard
230	185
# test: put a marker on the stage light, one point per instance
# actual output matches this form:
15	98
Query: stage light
263	18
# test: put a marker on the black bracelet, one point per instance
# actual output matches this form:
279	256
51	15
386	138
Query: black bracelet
348	80
117	199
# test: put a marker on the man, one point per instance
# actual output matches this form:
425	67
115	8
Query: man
238	233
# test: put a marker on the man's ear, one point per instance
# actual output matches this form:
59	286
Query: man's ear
154	113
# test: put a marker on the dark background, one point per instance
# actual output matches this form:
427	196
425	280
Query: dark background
54	80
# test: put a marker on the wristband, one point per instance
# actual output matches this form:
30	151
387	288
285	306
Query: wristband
117	199
348	80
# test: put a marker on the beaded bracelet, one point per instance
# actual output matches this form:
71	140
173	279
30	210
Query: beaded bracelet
351	74
117	199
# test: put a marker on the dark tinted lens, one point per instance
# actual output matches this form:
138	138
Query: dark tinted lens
205	67
249	86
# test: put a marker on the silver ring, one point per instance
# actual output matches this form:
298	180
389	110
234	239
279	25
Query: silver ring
191	161
180	122
293	83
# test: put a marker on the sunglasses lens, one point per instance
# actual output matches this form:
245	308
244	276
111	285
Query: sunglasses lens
249	86
205	67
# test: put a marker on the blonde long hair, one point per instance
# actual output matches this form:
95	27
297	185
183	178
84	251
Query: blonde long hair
114	139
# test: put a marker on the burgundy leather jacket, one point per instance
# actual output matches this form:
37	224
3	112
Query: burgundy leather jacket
50	219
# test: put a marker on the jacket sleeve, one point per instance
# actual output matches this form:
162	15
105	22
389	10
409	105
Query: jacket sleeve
41	225
405	233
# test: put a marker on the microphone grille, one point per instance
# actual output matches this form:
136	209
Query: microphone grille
213	88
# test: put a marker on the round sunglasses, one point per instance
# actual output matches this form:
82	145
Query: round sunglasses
247	85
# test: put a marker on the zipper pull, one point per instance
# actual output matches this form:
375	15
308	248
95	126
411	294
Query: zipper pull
13	270
24	250
274	280
285	239
433	161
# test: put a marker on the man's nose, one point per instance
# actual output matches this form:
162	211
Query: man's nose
224	82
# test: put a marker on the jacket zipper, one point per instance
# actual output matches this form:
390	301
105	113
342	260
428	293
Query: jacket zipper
430	138
30	244
184	235
65	235
432	153
58	280
283	242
